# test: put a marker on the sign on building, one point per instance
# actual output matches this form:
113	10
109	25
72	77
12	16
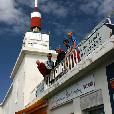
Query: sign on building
77	89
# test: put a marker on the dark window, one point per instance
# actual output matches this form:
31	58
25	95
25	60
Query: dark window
97	111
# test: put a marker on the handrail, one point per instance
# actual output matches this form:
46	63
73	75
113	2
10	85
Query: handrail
62	68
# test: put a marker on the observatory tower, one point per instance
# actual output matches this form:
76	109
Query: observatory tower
35	47
36	38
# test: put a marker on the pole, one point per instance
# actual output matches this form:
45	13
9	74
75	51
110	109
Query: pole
36	5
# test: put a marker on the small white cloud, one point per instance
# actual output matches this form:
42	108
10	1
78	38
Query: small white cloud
90	7
63	28
12	16
8	13
29	3
54	8
107	7
47	6
97	7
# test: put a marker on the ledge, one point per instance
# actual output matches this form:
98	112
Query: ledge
99	56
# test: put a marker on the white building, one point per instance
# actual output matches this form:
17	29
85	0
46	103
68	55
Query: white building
25	74
88	86
81	87
84	87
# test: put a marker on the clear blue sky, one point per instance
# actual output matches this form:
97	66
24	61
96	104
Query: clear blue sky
58	17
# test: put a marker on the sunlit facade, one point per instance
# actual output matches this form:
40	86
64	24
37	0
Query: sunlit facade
82	85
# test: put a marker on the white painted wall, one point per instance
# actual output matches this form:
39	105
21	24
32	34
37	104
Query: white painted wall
36	40
25	80
18	87
76	106
15	101
8	106
64	109
32	76
101	83
1	110
27	76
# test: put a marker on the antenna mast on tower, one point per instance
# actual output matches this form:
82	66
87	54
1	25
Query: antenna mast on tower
35	19
36	5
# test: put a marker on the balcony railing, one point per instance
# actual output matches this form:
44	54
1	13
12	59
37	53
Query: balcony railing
69	62
96	38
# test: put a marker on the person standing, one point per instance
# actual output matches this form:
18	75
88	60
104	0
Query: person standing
45	68
72	49
49	63
60	56
75	42
72	38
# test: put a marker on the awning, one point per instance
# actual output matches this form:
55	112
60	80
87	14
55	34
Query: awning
42	103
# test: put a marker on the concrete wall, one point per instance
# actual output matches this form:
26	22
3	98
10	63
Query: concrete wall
36	40
9	106
1	110
32	75
15	101
64	109
100	83
26	79
18	87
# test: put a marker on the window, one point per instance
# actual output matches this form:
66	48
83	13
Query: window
98	110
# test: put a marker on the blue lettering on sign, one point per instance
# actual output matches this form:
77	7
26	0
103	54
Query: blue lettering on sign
88	85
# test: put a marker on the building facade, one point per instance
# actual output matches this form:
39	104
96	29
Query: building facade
25	74
75	86
83	86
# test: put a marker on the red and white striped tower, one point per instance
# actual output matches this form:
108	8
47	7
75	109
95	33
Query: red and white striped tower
35	24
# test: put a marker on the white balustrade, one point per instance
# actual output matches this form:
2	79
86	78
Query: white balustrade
62	68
